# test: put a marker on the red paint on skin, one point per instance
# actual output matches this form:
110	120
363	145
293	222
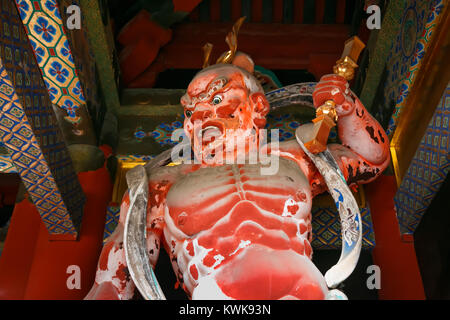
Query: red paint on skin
103	262
227	236
194	272
198	219
209	260
270	190
258	275
122	275
158	192
190	248
260	123
301	196
266	203
199	84
317	183
293	209
303	228
308	249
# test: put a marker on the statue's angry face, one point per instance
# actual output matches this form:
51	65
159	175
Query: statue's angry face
224	109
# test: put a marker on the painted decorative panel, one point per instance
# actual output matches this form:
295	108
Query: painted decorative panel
406	55
427	171
45	28
6	164
29	129
86	64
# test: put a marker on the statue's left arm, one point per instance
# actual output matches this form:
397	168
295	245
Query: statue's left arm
364	152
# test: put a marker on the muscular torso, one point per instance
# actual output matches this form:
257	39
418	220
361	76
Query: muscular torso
214	216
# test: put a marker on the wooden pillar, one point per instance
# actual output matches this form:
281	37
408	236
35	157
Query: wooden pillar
99	36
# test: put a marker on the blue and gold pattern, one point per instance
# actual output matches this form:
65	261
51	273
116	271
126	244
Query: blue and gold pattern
44	26
29	129
6	165
427	171
406	55
112	219
327	228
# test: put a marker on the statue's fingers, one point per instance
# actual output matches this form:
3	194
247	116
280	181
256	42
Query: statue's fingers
328	93
343	85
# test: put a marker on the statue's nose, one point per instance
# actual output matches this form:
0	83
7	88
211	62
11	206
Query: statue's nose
202	115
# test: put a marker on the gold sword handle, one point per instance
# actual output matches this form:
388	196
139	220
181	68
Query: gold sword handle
326	116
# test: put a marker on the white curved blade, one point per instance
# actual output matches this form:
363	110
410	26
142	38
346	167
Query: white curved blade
350	217
135	244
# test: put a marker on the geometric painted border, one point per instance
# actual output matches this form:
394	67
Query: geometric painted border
427	170
415	62
6	165
45	30
26	154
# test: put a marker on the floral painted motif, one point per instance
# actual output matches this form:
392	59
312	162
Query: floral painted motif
44	29
39	52
43	22
403	81
23	8
78	91
65	51
70	108
404	90
58	71
418	54
53	7
435	11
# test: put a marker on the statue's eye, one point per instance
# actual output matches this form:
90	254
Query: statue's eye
188	113
216	100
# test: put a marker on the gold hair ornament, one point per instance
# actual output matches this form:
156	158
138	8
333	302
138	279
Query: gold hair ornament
231	40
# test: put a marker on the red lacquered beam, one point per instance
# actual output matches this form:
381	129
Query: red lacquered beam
214	10
277	11
236	10
195	15
340	11
298	11
320	10
257	9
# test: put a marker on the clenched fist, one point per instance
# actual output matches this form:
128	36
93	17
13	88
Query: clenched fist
336	88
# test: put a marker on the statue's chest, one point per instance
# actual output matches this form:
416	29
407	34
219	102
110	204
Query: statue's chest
199	199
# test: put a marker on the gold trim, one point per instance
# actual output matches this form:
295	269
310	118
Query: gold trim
395	164
120	183
425	94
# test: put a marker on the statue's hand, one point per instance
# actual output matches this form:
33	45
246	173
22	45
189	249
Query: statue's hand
335	88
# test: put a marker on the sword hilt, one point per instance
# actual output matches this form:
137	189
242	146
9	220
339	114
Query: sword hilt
326	116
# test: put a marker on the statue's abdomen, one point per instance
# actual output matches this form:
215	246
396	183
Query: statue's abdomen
213	215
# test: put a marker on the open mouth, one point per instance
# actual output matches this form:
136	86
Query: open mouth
210	132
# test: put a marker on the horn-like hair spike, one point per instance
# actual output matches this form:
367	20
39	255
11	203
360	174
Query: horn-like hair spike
207	48
231	40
